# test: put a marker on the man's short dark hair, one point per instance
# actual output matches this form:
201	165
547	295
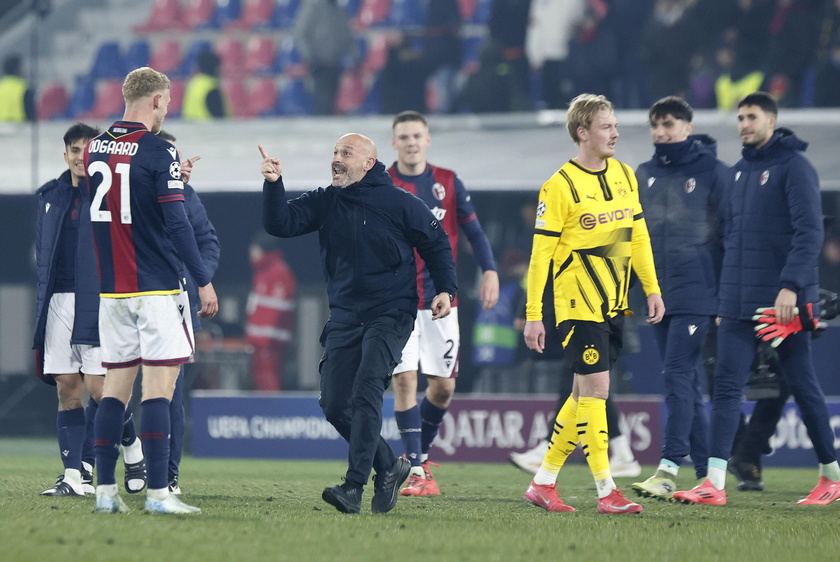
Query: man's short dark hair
409	116
673	106
79	131
167	136
765	101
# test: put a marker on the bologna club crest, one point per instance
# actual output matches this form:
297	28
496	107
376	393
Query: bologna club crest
690	185
765	175
439	191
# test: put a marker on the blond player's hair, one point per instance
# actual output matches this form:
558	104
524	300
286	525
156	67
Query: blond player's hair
582	112
143	82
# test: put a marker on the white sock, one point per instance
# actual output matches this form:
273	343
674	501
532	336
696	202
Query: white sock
717	477
418	470
605	487
545	478
133	453
424	457
666	470
73	477
106	489
159	494
620	447
831	471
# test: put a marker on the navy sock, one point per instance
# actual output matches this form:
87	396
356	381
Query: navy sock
176	420
408	423
154	431
87	445
129	432
107	428
70	425
431	416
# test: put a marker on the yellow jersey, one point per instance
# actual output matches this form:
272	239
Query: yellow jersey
590	224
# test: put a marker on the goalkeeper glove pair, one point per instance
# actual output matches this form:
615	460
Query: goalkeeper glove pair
769	329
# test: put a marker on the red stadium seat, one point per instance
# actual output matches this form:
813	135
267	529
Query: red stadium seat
236	97
259	56
466	8
377	53
166	56
176	94
372	13
232	57
351	93
262	97
199	13
109	102
165	15
255	14
53	102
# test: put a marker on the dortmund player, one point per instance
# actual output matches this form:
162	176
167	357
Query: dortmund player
590	225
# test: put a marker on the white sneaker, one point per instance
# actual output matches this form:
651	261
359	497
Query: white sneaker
530	460
170	505
109	504
623	468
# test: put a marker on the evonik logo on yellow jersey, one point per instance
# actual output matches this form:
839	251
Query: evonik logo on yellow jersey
588	221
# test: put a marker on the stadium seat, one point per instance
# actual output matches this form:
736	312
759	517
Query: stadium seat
352	7
284	14
189	64
236	96
108	62
177	87
165	15
198	14
351	93
372	13
109	102
407	13
466	8
232	56
259	56
481	13
84	94
137	55
472	48
166	56
53	102
255	14
226	12
294	99
288	60
262	97
371	104
377	53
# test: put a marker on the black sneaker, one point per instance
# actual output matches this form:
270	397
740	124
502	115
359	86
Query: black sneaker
174	488
386	486
135	471
345	497
87	481
748	475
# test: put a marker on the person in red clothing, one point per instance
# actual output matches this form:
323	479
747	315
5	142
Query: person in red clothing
271	312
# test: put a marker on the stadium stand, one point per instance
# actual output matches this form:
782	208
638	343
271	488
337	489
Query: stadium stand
53	102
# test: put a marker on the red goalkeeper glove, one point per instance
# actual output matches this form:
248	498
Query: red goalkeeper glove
768	328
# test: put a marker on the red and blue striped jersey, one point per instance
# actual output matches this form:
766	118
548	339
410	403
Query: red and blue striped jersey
444	193
131	174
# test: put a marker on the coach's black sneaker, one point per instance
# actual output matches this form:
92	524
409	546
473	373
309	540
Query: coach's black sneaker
345	497
748	475
386	487
135	476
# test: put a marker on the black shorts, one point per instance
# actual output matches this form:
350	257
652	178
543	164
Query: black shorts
592	347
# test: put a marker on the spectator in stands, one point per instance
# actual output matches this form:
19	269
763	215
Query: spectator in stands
403	78
203	98
593	53
271	312
667	47
551	26
735	80
323	35
794	34
442	49
16	98
827	86
507	26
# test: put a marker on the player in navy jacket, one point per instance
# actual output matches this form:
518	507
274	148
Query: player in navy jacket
368	230
681	190
773	236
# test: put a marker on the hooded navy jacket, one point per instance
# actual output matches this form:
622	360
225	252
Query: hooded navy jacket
367	233
774	228
54	198
681	190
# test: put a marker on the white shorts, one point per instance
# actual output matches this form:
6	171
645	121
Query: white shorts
60	356
433	346
148	330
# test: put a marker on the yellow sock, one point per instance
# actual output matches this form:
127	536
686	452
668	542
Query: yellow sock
564	439
592	432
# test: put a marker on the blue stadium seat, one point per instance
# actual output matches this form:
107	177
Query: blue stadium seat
288	60
472	49
190	61
284	14
84	94
226	12
481	14
352	6
137	55
108	62
294	99
408	13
